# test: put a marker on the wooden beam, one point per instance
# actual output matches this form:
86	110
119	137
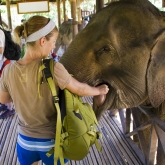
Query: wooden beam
152	146
73	14
58	11
163	3
161	135
99	5
8	14
128	120
123	120
148	112
137	123
64	12
140	128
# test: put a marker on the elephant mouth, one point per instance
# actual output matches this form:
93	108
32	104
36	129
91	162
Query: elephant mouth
98	83
100	101
101	82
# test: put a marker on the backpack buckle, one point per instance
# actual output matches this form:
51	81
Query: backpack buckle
55	99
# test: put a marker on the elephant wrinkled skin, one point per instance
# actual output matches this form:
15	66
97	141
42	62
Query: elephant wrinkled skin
123	46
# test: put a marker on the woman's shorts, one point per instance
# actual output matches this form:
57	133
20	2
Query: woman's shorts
30	150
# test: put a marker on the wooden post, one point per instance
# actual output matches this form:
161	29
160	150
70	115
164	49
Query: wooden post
94	10
163	3
8	14
73	14
99	5
64	11
58	11
79	15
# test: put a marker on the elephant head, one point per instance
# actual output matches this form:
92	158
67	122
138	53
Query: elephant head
123	46
65	34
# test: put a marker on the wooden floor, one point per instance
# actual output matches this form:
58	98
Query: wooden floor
116	149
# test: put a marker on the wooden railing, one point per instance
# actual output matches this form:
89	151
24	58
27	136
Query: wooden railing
147	134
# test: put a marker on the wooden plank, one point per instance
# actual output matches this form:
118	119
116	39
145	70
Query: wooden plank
142	141
6	150
128	120
111	138
123	120
4	128
140	128
111	143
127	148
85	161
72	162
15	153
99	159
152	147
107	155
116	141
93	158
109	148
148	112
89	158
12	143
161	135
137	150
96	156
131	143
3	147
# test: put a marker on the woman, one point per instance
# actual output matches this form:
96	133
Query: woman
36	127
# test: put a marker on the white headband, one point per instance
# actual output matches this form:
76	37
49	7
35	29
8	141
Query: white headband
42	32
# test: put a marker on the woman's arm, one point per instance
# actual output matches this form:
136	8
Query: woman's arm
83	89
5	97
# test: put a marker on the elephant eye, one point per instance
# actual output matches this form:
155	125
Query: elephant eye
102	50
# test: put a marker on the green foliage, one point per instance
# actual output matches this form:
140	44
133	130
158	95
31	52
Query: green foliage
2	11
88	5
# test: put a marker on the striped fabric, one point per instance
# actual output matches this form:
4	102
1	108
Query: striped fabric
34	145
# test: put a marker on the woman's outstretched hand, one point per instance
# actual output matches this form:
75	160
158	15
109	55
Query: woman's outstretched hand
99	100
103	89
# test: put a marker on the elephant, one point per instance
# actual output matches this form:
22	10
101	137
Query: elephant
123	47
65	36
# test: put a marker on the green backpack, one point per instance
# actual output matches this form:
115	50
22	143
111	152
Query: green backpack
76	122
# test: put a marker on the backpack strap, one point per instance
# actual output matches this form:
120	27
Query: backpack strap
48	69
99	135
4	64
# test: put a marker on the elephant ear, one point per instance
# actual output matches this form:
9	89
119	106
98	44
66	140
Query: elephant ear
156	72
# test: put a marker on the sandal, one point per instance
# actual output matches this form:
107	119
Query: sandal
7	113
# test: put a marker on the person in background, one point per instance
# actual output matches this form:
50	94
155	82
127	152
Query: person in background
5	109
32	99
